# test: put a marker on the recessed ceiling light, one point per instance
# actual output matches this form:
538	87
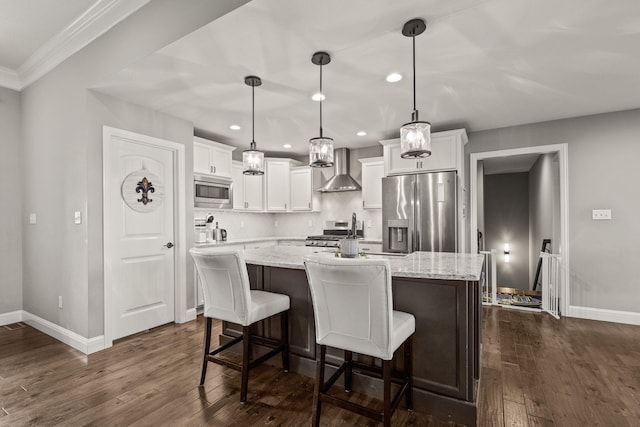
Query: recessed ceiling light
394	77
318	97
234	127
287	145
361	133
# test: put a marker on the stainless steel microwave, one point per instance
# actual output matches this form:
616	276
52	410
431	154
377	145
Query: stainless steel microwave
211	192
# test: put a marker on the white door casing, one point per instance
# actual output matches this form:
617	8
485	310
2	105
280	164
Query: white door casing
144	278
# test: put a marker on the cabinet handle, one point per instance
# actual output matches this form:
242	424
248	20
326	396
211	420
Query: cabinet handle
363	203
211	169
309	205
285	206
214	169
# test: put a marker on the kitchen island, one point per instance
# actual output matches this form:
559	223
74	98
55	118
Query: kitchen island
442	291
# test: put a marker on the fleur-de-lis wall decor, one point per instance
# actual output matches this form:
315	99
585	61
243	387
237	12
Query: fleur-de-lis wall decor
145	187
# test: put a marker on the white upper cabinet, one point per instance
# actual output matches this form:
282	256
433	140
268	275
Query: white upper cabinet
248	190
211	158
372	173
303	196
447	150
277	183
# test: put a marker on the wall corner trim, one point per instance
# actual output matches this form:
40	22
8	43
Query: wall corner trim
627	317
10	317
80	343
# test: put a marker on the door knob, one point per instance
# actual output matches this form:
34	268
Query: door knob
169	245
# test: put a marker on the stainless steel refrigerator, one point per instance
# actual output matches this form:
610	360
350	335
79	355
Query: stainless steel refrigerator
419	212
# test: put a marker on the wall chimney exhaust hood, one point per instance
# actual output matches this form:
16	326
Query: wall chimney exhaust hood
341	181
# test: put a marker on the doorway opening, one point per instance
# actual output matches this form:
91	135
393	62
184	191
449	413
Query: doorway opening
518	213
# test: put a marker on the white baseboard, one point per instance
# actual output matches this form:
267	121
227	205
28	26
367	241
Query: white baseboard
628	317
85	345
11	317
192	313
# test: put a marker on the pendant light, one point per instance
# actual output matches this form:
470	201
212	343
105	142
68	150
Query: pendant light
321	148
252	159
415	136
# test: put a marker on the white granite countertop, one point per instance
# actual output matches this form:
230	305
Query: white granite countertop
425	265
266	239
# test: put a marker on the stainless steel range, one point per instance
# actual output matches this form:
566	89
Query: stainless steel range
334	230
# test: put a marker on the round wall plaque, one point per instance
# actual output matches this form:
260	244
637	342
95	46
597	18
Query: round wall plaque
143	191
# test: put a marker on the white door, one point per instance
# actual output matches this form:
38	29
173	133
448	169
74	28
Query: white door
139	253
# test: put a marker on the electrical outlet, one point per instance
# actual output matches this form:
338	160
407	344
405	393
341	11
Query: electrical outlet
310	223
368	223
275	223
33	218
601	214
60	301
77	217
241	224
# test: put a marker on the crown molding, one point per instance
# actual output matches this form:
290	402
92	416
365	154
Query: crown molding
97	20
9	79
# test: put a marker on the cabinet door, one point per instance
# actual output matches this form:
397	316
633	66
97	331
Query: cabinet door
444	151
277	173
301	189
254	192
238	187
372	173
221	161
370	247
201	158
396	165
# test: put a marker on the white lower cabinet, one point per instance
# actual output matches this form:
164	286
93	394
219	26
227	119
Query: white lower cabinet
370	247
291	243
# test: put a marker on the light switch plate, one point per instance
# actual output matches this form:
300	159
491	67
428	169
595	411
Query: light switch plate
601	214
33	218
77	217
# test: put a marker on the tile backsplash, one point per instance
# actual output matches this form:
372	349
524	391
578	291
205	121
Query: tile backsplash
334	206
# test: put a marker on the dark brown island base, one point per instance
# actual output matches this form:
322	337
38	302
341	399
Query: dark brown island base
442	291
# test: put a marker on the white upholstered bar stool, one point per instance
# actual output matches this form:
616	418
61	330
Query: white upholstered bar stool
227	296
353	309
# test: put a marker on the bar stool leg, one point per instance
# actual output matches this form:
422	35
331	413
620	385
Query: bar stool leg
284	328
386	378
408	368
317	404
348	357
206	345
246	349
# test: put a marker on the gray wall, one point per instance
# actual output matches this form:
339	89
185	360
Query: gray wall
544	207
62	139
506	220
603	173
10	208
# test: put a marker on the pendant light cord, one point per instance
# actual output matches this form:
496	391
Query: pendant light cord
414	114
321	96
253	115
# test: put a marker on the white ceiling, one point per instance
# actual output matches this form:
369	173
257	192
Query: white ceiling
38	35
25	25
481	65
510	164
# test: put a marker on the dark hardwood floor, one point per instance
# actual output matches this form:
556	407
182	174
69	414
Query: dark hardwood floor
536	371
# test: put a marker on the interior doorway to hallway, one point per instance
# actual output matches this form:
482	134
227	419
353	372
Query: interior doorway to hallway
518	209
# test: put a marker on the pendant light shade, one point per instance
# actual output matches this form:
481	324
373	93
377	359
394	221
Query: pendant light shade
252	159
415	136
321	148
